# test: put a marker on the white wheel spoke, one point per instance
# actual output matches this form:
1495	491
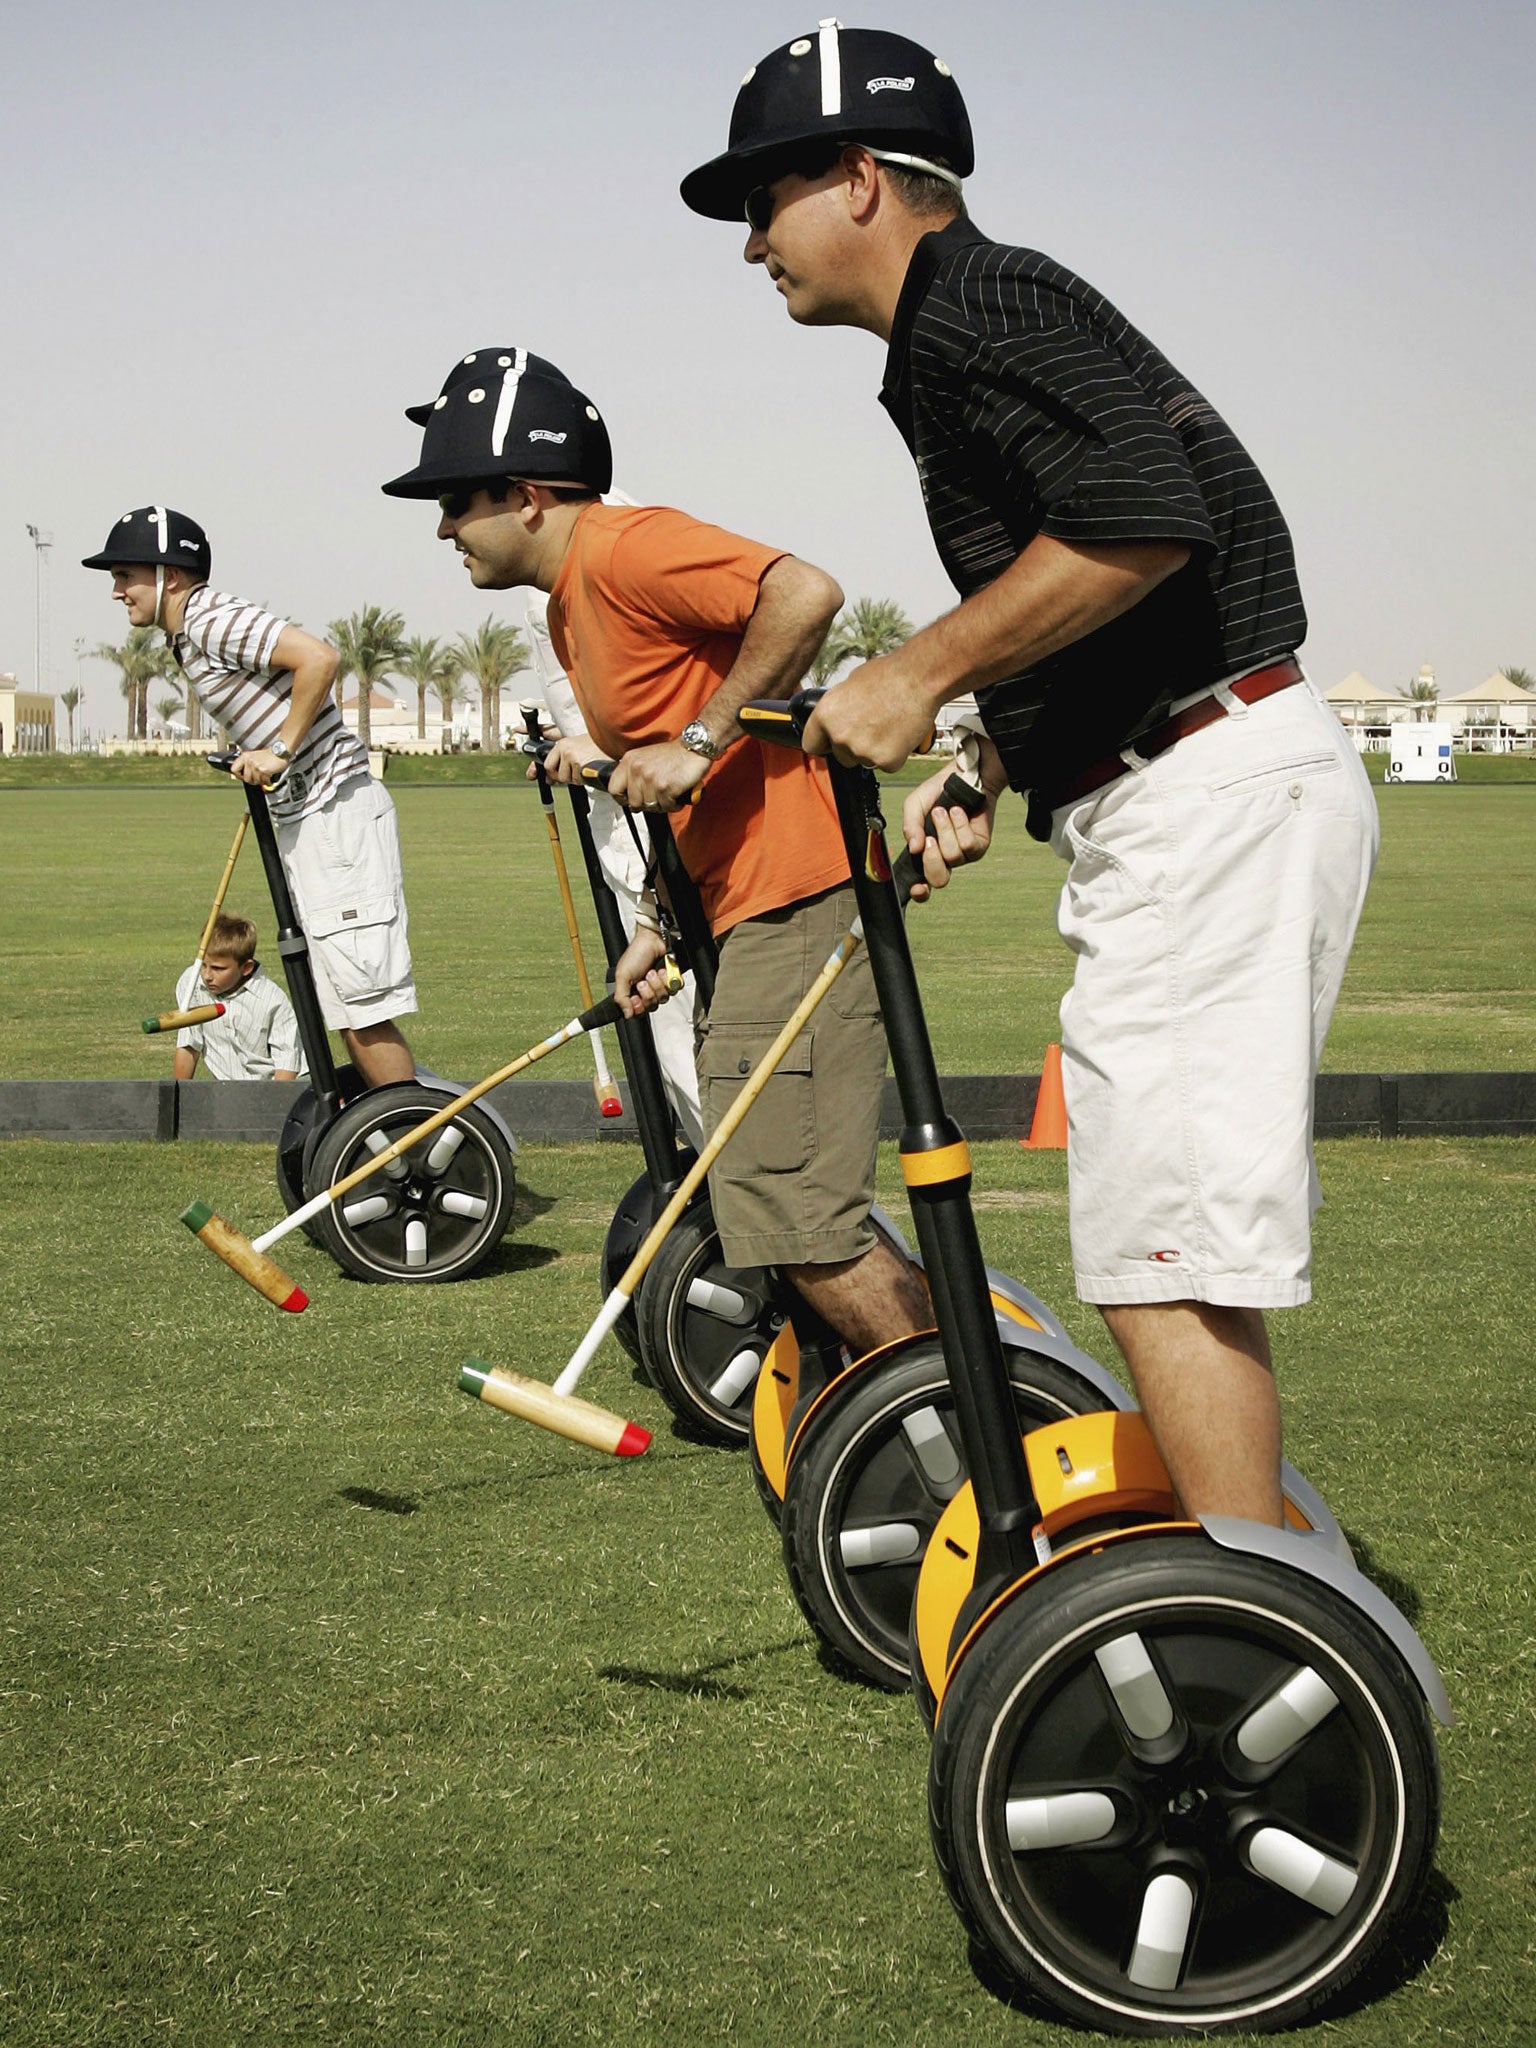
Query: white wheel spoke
1162	1932
454	1202
1286	1717
1296	1867
884	1543
1138	1692
377	1142
931	1446
447	1142
416	1242
369	1210
714	1300
737	1377
1059	1820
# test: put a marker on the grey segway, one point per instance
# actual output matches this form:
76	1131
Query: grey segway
435	1214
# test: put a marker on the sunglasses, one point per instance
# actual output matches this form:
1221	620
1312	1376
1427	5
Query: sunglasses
760	202
454	504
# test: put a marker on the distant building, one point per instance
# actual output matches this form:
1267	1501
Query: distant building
1496	716
1366	712
26	719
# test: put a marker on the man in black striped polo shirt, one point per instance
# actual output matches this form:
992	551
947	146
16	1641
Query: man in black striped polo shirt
1128	621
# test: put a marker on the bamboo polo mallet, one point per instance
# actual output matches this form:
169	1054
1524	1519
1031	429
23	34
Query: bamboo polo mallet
607	1094
247	1256
181	1020
203	1013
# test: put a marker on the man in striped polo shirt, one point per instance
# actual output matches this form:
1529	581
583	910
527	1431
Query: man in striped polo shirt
268	684
1128	621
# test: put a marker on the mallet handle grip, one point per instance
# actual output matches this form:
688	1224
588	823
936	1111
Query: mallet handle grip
181	1020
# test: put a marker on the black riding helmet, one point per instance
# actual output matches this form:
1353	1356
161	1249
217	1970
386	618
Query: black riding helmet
479	364
155	536
513	421
838	85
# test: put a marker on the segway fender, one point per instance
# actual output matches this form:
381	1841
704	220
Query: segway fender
1317	1560
1015	1336
449	1089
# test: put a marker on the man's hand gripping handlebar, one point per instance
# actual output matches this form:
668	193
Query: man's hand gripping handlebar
782	723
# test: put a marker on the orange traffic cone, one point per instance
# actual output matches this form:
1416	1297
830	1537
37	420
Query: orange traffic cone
1048	1132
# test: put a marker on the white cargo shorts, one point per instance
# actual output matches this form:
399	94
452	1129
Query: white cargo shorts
343	866
1211	899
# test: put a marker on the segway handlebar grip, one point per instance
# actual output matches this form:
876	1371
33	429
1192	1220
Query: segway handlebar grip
957	794
782	721
600	771
224	763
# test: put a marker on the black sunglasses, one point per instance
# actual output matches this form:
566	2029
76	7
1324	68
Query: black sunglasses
454	504
759	206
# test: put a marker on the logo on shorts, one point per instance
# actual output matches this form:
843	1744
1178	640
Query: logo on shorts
1165	1258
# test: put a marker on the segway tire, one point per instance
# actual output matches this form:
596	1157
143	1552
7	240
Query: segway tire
435	1214
869	1475
704	1329
637	1211
297	1139
1139	1833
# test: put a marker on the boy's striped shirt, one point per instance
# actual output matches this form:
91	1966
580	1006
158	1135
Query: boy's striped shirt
225	648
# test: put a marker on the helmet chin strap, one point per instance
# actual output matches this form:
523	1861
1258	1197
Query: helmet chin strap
160	597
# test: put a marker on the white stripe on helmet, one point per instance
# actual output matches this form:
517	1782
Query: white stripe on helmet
831	67
161	528
507	400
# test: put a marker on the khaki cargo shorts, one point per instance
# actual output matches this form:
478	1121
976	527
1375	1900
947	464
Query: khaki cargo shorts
794	1185
343	866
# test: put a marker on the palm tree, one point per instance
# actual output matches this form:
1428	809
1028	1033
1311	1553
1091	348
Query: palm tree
70	699
166	708
1424	695
142	659
448	684
493	655
371	644
866	630
419	664
1520	677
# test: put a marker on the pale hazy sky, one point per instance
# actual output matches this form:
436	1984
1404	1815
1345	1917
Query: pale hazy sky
235	241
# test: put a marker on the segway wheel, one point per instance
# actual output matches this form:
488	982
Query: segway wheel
296	1142
434	1214
1175	1789
872	1469
704	1329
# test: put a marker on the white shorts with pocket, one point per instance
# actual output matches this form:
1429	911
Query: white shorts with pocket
343	866
1211	900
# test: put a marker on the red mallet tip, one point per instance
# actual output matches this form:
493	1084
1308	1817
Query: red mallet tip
295	1301
612	1106
633	1443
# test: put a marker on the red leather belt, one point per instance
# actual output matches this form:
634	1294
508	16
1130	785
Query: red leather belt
1250	689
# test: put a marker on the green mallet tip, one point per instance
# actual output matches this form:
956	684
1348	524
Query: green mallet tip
149	1026
472	1377
196	1214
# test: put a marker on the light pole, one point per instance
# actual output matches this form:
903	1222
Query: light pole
41	543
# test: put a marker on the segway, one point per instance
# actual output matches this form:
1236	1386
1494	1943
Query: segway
1183	1775
699	1328
427	1218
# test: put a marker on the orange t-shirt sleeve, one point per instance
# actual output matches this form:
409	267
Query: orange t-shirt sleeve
689	574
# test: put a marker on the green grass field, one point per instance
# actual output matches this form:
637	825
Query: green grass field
335	1707
105	890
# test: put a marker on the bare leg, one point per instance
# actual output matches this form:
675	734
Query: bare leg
380	1054
869	1301
1203	1377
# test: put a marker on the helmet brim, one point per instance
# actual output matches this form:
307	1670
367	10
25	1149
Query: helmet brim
718	190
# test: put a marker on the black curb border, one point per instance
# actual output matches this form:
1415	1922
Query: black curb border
564	1112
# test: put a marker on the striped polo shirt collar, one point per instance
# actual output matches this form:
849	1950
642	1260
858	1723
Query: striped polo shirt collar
928	258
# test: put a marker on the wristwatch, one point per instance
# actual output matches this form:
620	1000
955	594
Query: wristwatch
695	737
281	748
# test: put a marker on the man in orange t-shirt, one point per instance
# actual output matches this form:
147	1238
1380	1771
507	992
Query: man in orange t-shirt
666	627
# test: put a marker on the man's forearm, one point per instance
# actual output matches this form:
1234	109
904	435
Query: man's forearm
312	682
796	604
1050	596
